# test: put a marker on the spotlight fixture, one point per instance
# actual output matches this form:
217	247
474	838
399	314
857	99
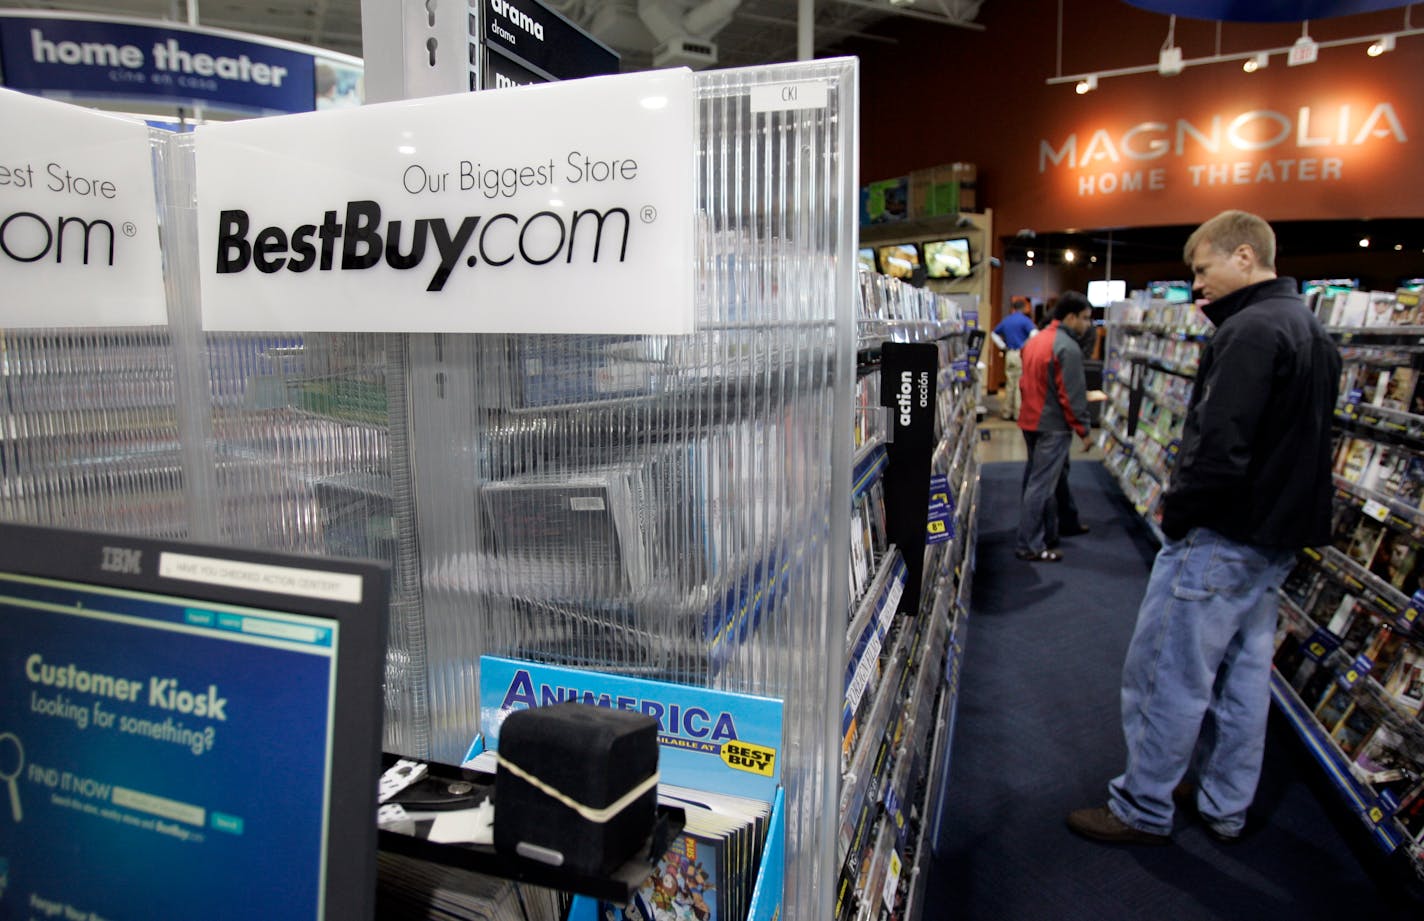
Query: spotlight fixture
1029	254
1385	43
1256	62
1069	255
1169	61
1364	242
1398	247
1305	50
1028	262
1087	84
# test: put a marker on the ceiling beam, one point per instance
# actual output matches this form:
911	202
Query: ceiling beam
887	9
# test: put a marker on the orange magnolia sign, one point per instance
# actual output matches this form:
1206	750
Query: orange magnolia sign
1312	151
1253	147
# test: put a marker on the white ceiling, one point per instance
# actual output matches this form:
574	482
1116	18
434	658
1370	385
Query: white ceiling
760	31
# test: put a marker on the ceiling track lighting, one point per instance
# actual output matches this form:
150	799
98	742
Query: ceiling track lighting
1385	44
1256	61
1304	50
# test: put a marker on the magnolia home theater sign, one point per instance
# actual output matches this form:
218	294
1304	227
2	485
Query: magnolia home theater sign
1302	146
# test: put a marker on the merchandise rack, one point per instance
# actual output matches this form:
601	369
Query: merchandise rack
892	783
1359	798
389	445
1153	347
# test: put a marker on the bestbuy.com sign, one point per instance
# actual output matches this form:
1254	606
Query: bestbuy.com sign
563	208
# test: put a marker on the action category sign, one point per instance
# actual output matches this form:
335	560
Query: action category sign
78	218
89	57
559	208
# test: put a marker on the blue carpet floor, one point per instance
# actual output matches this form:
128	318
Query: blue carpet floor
1038	735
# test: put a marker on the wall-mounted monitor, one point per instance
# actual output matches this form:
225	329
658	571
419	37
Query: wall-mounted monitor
947	258
1173	292
1103	292
187	731
866	258
1329	286
899	260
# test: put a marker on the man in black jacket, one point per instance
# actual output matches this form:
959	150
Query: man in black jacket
1252	486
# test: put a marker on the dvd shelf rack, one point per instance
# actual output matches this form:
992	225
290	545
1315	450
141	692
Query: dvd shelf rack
899	703
1348	674
1153	350
1350	654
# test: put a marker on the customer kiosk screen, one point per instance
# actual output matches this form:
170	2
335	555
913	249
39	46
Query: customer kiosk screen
186	731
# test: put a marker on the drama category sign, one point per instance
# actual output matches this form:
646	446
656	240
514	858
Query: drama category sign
561	208
78	218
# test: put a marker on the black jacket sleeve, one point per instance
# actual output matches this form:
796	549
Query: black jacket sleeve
1213	469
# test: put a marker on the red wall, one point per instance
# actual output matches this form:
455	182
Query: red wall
942	95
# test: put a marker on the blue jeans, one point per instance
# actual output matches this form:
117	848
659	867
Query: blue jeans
1196	683
1038	509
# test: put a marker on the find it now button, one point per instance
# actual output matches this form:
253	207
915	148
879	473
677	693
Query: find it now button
229	823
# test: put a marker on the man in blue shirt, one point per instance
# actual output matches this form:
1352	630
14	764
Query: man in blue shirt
1010	335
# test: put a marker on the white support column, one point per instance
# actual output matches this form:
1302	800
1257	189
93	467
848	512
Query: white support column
805	30
415	48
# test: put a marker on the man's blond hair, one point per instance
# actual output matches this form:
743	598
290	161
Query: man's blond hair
1228	230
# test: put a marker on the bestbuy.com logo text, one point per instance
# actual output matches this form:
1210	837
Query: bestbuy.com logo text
362	239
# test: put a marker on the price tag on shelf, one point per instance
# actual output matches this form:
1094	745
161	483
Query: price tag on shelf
892	882
892	602
1320	644
1349	677
1407	618
1364	664
1377	510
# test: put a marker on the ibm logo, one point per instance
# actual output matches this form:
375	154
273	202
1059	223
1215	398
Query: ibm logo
121	559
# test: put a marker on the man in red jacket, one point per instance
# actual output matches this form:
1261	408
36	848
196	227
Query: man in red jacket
1053	406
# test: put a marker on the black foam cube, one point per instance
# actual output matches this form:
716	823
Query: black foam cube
593	755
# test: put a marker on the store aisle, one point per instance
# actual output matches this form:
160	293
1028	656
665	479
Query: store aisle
1038	735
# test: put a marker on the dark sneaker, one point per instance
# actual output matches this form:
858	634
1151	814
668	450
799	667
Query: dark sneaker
1099	824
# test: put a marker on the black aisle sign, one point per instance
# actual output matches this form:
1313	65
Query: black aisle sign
530	32
502	72
908	377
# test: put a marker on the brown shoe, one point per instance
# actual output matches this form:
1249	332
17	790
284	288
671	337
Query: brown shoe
1099	824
